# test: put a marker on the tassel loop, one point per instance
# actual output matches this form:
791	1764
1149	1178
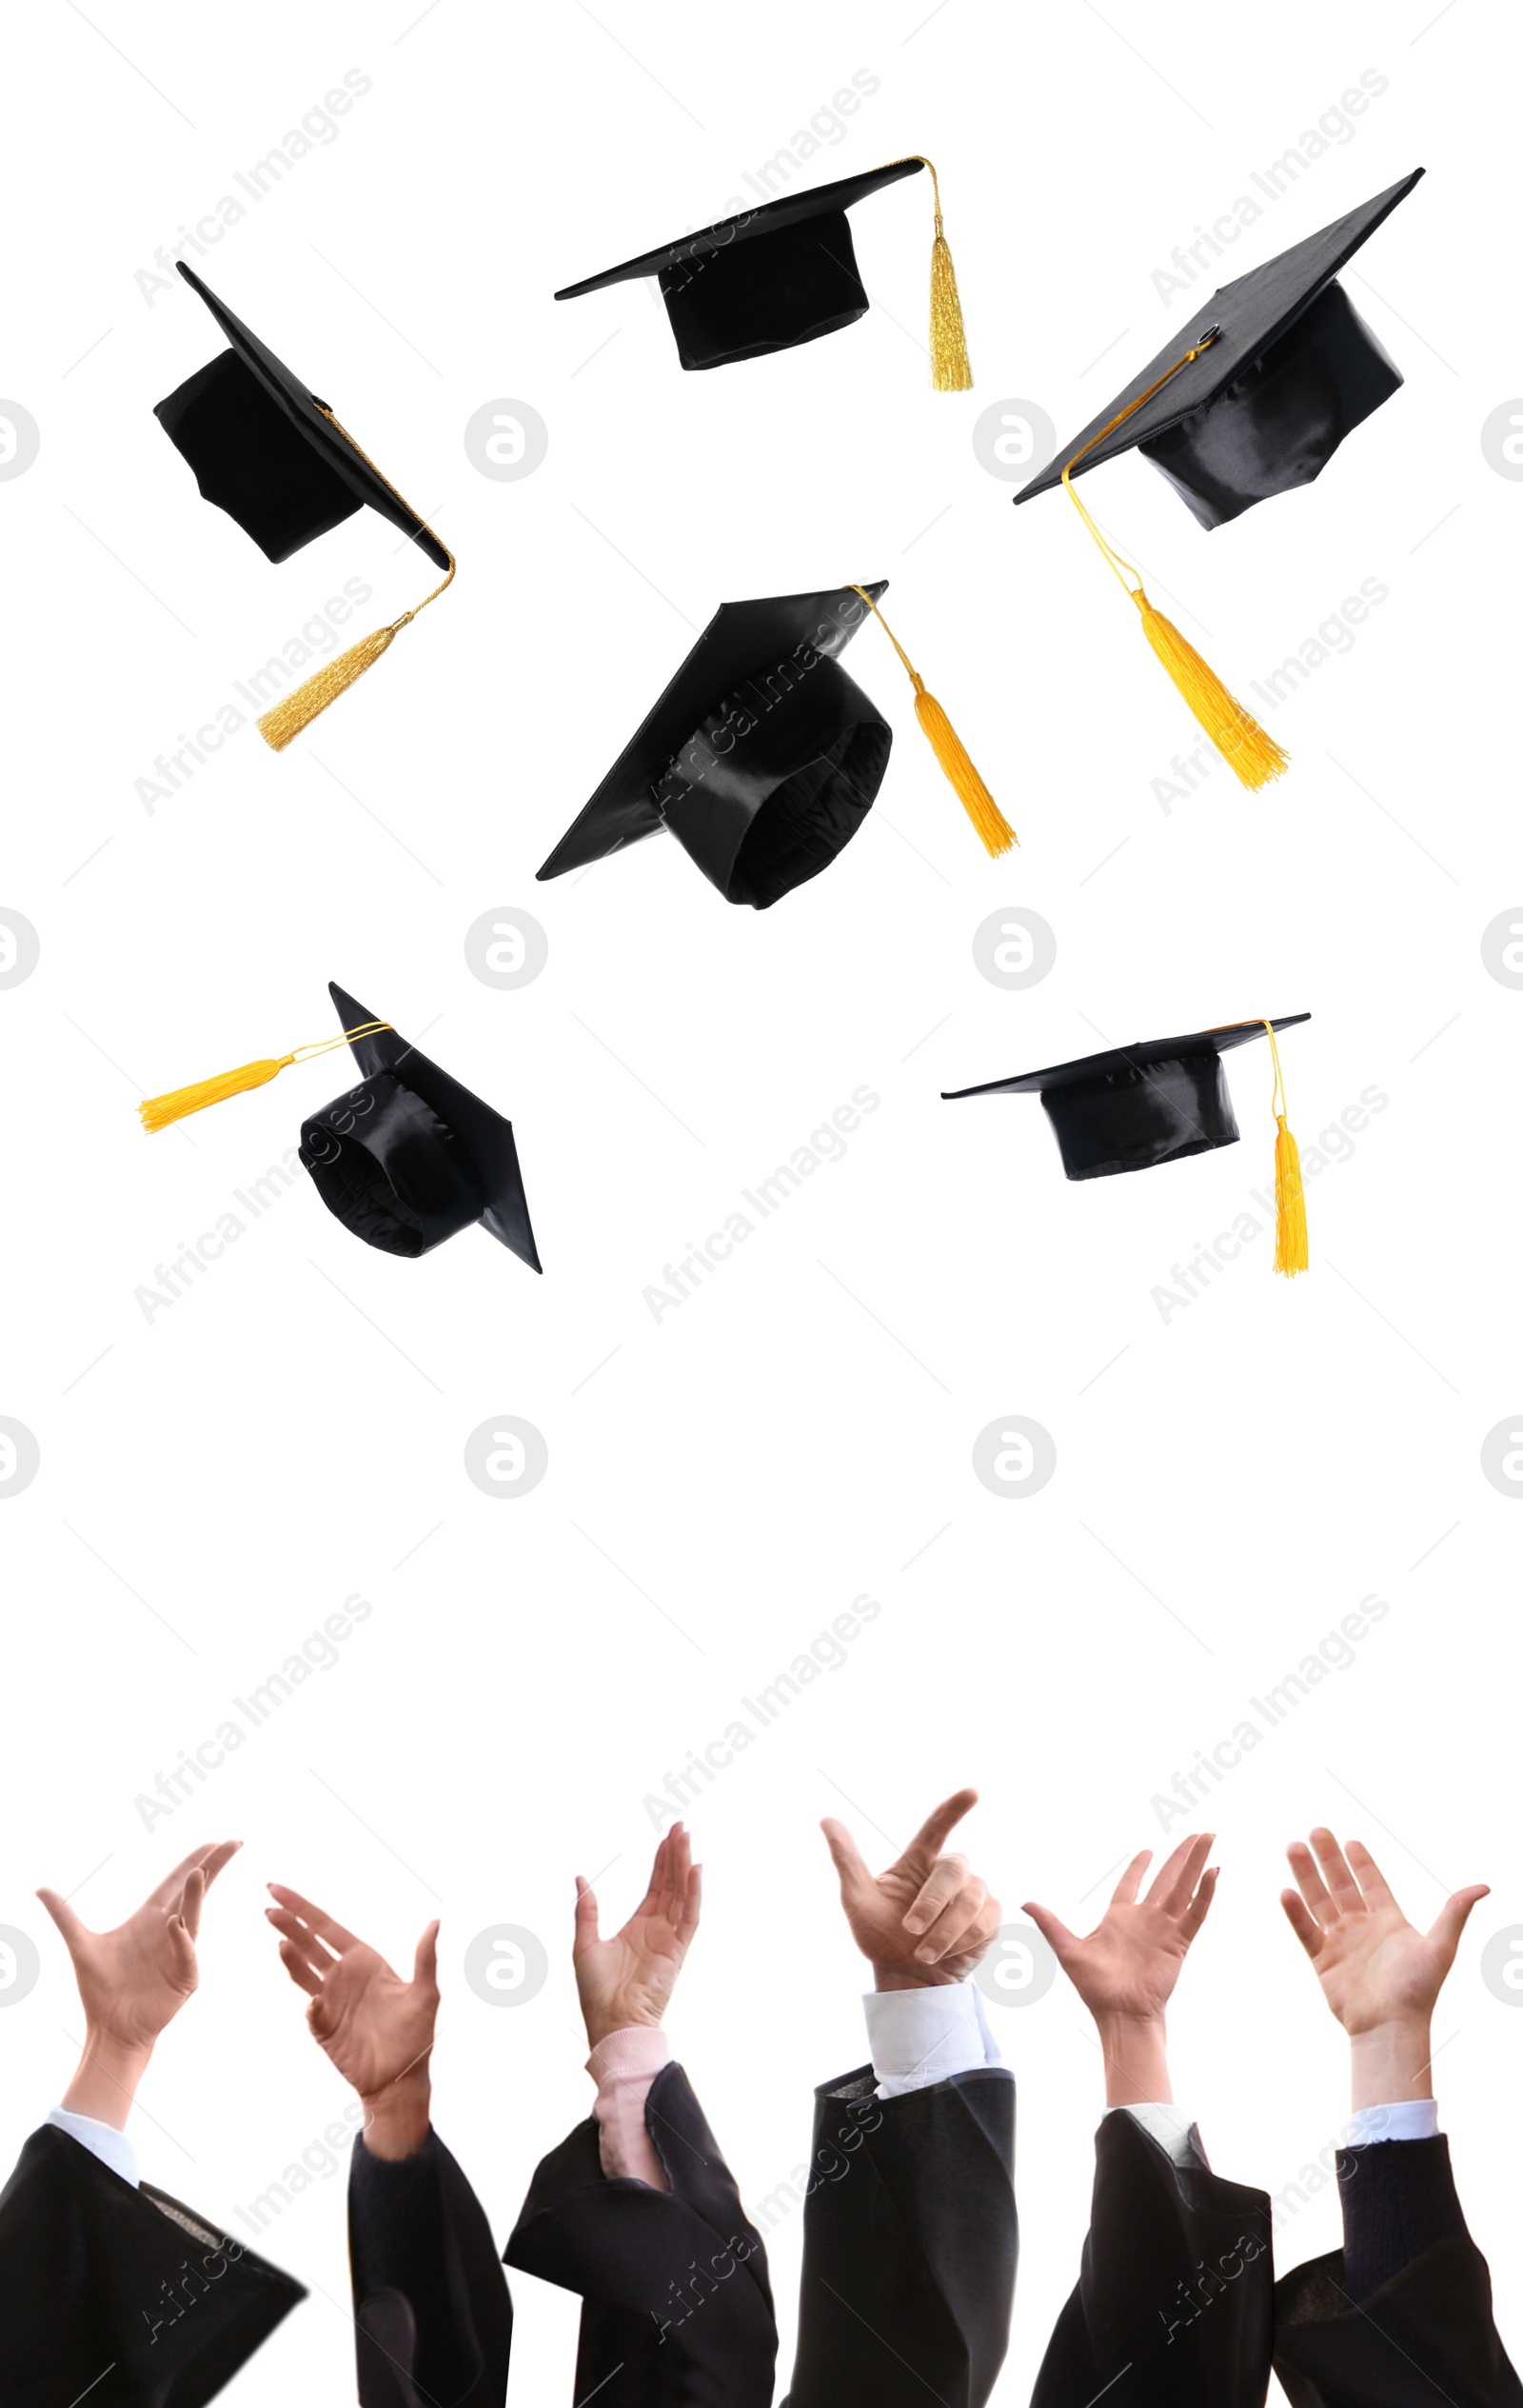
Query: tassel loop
993	829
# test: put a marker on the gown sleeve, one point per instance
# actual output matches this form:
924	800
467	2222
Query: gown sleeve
433	2321
909	2243
1173	2304
677	2312
1400	2317
120	2291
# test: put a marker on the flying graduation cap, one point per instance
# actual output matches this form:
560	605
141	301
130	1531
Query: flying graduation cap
406	1157
763	757
1156	1101
269	452
1281	369
784	273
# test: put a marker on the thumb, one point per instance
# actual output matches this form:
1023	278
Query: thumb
846	1857
1451	1918
1058	1936
63	1916
425	1958
585	1934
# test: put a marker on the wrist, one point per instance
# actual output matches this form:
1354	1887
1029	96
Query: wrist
107	2076
397	2117
1391	2061
1135	2049
600	2024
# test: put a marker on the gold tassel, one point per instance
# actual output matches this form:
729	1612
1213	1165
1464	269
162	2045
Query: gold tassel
296	710
950	370
160	1111
1253	757
288	719
1292	1251
993	829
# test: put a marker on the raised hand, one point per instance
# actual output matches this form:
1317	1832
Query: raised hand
1379	1975
629	1977
1125	1969
925	1921
134	1980
376	2028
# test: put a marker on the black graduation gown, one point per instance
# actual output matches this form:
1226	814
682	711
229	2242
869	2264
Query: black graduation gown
433	2323
1400	2317
677	2312
124	2295
1172	2307
909	2244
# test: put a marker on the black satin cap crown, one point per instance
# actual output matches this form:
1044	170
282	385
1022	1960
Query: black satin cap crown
407	1157
779	274
1138	1105
1292	370
763	757
261	448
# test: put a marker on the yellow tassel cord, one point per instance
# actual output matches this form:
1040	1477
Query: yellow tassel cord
161	1110
993	827
1292	1252
1253	757
297	711
950	371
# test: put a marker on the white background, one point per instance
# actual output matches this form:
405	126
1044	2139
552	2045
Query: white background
1230	1481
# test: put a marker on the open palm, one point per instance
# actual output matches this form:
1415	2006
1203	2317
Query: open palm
132	1981
1374	1967
374	2026
1129	1963
629	1977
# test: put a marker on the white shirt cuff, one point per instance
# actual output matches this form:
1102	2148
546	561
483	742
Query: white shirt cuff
1404	2120
1164	2122
915	2038
103	2141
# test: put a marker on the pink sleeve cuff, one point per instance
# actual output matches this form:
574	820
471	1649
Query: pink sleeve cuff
623	2066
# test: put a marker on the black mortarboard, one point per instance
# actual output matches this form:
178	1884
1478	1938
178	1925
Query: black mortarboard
405	1158
1254	401
269	452
1291	370
763	757
1156	1101
784	273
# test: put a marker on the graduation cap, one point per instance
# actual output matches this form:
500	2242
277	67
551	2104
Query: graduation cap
785	273
1280	370
763	757
405	1158
1156	1101
269	452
